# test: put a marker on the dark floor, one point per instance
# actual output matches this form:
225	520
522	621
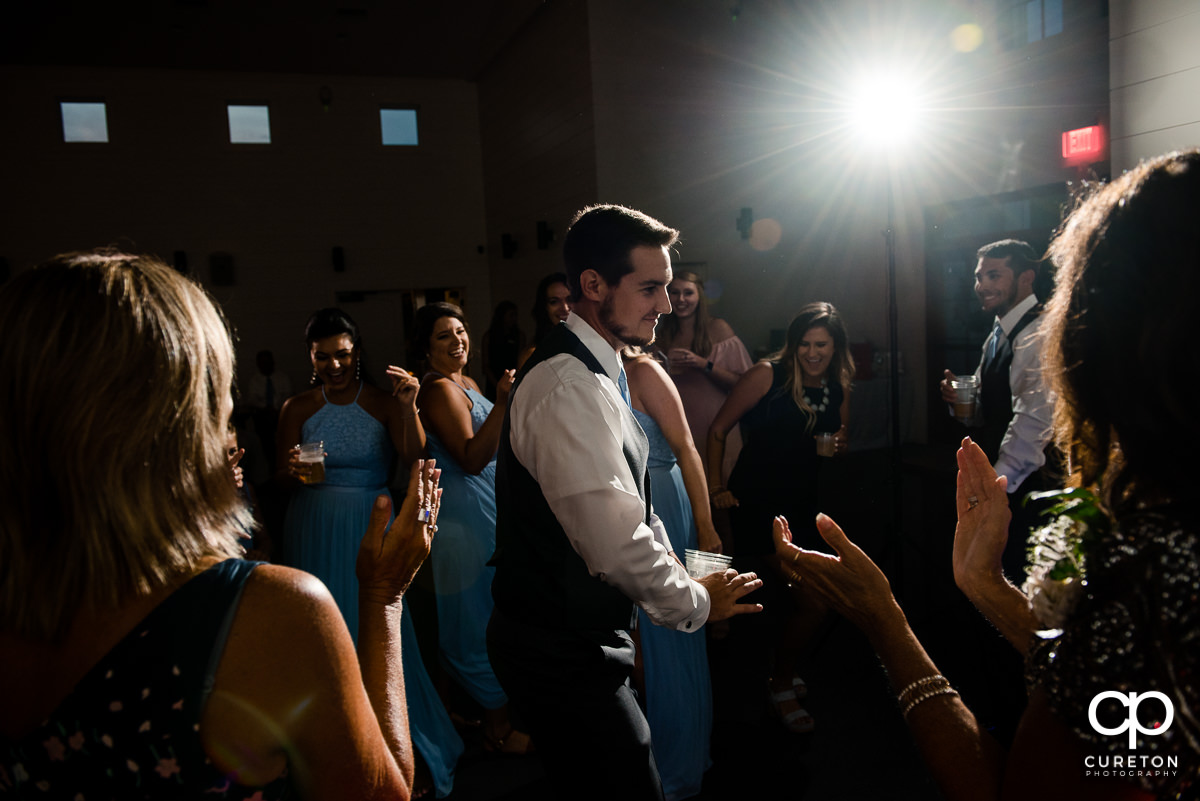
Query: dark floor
861	748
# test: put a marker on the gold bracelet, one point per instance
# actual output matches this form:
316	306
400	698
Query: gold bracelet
933	692
936	678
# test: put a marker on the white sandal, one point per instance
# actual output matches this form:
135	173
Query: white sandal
798	721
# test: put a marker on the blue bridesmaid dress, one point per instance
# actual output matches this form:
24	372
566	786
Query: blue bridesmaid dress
324	525
675	663
465	541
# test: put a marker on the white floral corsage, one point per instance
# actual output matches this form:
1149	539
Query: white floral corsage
1057	565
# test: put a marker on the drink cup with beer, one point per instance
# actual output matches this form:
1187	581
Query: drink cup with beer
312	455
966	393
826	446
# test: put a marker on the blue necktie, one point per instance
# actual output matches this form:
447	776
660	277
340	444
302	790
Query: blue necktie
994	343
623	385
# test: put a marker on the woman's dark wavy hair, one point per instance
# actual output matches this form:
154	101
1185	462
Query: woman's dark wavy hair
429	314
1118	331
332	322
541	318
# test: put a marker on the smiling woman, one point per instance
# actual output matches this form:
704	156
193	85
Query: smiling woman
464	433
782	405
362	428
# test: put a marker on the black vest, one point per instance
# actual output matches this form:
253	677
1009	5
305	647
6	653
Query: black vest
995	392
540	579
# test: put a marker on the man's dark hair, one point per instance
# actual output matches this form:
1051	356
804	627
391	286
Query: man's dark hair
1020	255
601	238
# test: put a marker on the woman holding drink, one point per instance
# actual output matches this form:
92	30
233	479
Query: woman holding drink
705	359
359	429
784	404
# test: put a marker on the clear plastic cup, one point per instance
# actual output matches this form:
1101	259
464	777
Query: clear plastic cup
825	445
701	563
966	391
313	453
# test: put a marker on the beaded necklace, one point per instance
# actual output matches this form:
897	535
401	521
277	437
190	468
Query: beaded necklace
824	404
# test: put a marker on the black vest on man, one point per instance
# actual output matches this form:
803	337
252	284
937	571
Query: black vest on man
995	392
540	579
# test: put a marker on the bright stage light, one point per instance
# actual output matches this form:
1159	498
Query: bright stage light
885	109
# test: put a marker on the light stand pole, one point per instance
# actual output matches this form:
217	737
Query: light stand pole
895	462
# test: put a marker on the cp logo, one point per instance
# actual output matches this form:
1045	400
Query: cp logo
1132	725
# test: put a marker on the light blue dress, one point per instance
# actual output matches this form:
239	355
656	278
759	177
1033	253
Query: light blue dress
324	525
675	663
465	541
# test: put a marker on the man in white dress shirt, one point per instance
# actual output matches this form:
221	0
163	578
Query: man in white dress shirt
1015	407
577	544
1014	415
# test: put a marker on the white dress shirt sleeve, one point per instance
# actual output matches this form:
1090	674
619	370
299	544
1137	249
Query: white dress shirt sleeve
566	429
1022	451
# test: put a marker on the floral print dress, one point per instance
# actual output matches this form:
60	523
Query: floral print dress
131	728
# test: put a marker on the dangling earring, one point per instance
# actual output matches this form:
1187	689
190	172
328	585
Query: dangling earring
313	380
357	370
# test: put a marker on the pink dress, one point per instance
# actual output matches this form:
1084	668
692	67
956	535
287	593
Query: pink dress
702	398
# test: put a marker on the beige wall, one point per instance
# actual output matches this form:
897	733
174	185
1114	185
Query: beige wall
1154	64
539	161
169	180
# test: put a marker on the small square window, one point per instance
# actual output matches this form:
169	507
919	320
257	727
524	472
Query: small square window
1054	17
84	122
399	126
249	125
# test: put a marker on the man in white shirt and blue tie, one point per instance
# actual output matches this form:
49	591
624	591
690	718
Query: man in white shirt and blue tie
1013	416
577	543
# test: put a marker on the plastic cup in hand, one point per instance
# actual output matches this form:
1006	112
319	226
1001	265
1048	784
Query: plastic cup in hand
966	393
313	454
826	445
702	563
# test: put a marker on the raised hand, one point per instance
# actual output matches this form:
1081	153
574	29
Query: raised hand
850	582
234	456
388	559
404	386
504	385
983	518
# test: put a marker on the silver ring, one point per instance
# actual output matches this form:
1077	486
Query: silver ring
425	515
972	502
433	529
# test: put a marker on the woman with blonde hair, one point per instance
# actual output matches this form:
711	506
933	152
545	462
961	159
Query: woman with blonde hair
704	358
142	656
783	404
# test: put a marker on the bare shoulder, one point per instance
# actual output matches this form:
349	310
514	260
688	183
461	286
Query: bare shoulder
719	330
282	586
645	368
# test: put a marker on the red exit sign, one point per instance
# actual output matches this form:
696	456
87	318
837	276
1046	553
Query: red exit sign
1083	145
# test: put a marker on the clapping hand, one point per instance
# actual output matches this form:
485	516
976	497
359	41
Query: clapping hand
983	518
388	559
850	582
